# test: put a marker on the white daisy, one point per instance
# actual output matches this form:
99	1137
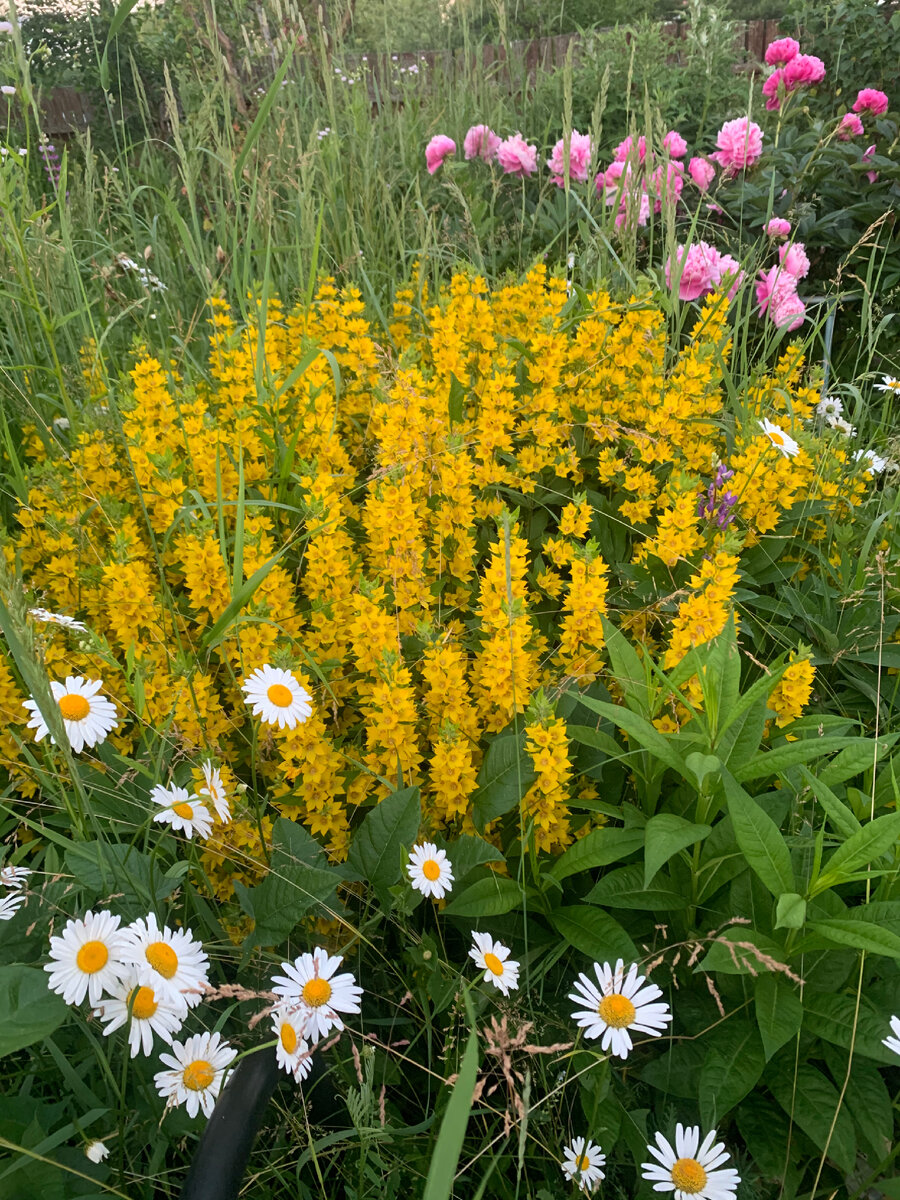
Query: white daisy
87	715
49	618
689	1170
619	1005
888	384
181	811
87	958
276	696
430	870
829	406
139	998
310	985
841	426
779	439
197	1068
214	789
96	1151
493	958
582	1163
293	1052
176	963
10	905
874	463
893	1043
14	877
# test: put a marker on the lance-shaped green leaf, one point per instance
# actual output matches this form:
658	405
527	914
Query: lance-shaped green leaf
867	844
665	835
759	839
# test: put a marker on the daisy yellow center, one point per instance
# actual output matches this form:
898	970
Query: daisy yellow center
316	992
583	1163
430	869
92	957
198	1075
777	437
183	810
280	696
617	1011
289	1038
162	958
493	964
688	1175
144	1005
74	708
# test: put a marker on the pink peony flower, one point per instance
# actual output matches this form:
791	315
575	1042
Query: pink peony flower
803	71
781	51
702	172
437	150
580	150
850	127
481	142
740	145
728	268
675	144
788	310
516	157
871	100
776	294
667	184
699	266
770	90
624	149
778	227
627	213
794	259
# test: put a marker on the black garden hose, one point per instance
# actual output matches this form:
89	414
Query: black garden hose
219	1163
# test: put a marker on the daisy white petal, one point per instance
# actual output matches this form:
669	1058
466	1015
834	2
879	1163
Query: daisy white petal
430	870
293	1052
175	963
689	1170
582	1162
10	905
50	618
214	789
275	695
87	716
620	1004
196	1069
830	406
888	384
183	812
310	985
893	1043
86	959
493	958
136	1001
14	877
780	440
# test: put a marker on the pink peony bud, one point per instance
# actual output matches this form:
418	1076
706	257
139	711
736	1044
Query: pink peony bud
675	144
702	172
781	51
778	227
437	150
850	127
871	100
516	157
481	142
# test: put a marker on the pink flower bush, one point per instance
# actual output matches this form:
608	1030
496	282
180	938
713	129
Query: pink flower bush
675	144
740	145
782	51
481	142
516	157
778	227
872	101
437	150
703	268
850	127
803	71
702	172
579	159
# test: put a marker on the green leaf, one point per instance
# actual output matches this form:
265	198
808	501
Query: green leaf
29	1011
832	1017
790	912
587	735
665	835
107	867
624	888
759	839
598	848
779	1012
861	756
376	851
791	754
469	852
806	1095
641	734
594	932
741	951
448	1147
730	1070
505	776
628	668
702	765
859	935
456	402
867	844
842	819
242	596
486	898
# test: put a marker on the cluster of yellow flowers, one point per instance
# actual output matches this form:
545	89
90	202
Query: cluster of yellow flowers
426	541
